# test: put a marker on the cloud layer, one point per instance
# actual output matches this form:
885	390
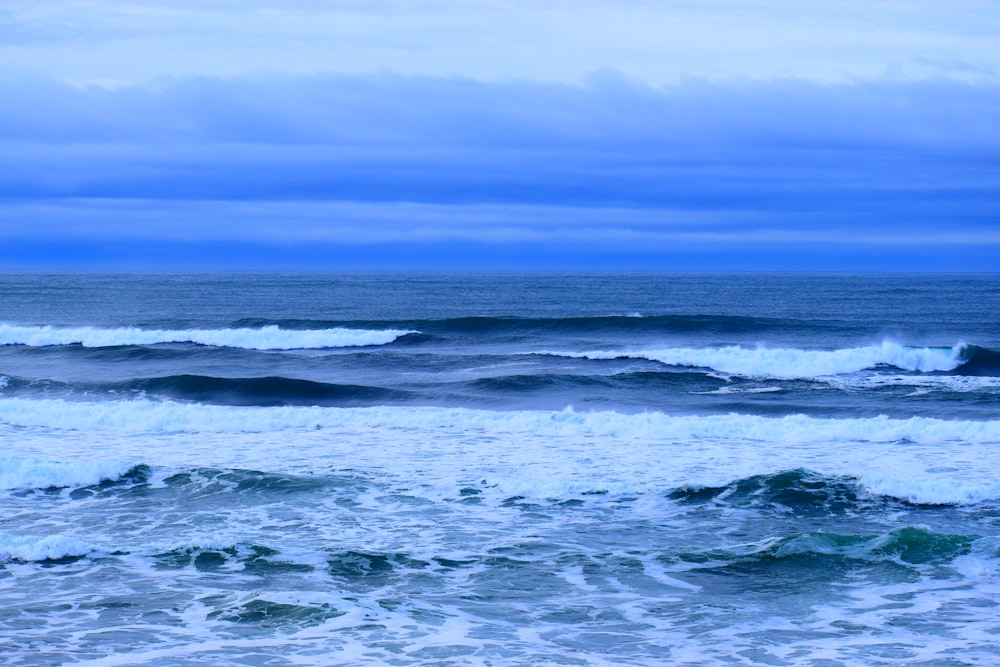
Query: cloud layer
771	135
653	41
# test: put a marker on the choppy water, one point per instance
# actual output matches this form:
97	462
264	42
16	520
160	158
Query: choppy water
418	469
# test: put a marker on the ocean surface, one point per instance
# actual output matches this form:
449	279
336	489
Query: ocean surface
499	469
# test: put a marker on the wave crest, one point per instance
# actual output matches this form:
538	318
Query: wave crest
788	363
17	473
42	549
265	338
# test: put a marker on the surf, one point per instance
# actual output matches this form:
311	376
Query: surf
269	337
791	363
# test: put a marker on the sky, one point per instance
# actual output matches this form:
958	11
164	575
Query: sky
492	134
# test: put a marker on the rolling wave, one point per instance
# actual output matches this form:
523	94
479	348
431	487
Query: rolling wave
784	363
809	493
43	549
909	545
20	473
261	391
634	323
264	338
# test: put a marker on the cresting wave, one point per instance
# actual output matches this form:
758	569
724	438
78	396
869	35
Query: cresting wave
33	548
33	473
144	416
269	337
785	363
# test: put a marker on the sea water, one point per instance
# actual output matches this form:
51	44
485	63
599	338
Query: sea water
499	469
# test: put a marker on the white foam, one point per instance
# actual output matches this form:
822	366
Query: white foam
436	452
721	391
29	548
265	338
927	383
931	490
33	473
145	416
790	363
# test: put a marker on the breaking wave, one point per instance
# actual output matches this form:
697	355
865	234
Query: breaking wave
21	473
269	337
42	549
788	363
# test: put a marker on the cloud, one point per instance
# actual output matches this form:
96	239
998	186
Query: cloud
134	41
611	142
611	168
609	110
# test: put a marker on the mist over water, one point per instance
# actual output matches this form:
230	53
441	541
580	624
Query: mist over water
434	469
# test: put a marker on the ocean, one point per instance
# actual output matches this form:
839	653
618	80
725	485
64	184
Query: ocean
499	469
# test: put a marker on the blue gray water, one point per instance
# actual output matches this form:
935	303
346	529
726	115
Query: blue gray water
493	469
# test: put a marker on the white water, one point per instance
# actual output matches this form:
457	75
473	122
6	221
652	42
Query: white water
789	363
435	451
264	338
28	548
34	473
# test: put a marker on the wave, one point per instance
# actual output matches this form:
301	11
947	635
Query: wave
785	363
264	338
809	493
981	361
642	380
720	324
260	391
19	473
51	549
149	416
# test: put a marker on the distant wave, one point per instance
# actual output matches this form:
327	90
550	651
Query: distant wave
628	323
260	391
785	363
269	337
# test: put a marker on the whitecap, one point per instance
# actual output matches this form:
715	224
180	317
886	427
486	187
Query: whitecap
32	473
265	338
790	363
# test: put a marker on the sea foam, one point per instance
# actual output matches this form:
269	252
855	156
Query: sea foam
265	338
144	416
790	363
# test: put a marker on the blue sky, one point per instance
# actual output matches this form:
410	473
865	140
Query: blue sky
711	135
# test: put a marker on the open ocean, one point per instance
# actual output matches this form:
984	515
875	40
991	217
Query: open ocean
499	469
